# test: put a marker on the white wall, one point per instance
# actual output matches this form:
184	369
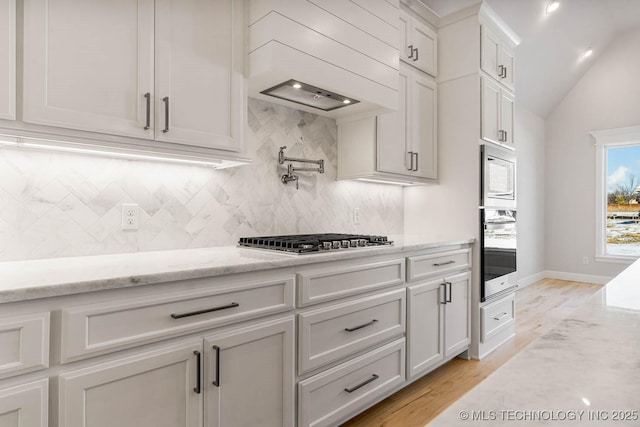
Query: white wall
608	96
530	154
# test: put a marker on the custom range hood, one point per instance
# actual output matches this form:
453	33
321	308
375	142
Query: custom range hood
303	56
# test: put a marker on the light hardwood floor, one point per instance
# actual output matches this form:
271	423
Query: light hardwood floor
538	308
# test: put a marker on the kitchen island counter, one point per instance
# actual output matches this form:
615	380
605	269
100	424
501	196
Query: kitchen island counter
25	280
585	371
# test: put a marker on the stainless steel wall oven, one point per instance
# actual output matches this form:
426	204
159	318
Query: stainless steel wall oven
498	222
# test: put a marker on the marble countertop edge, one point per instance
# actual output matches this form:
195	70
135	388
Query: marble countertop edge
34	279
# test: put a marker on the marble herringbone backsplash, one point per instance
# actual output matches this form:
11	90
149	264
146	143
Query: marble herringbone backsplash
58	205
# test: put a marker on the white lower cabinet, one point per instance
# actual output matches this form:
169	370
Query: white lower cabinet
241	377
249	376
25	405
327	398
152	389
438	324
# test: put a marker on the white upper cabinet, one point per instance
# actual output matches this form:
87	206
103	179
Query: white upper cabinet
89	64
199	81
497	113
497	57
8	59
166	70
418	44
399	147
407	139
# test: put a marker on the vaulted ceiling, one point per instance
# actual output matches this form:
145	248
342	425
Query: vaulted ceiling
548	61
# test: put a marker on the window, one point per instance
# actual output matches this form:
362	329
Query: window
617	194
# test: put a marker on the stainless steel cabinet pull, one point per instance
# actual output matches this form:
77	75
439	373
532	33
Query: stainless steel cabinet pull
416	58
147	124
216	382
505	136
411	160
355	328
362	384
444	301
505	72
416	166
410	51
502	135
208	310
502	316
450	291
440	264
198	387
166	114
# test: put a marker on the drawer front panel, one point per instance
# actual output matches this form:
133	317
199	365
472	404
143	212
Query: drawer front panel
336	282
329	334
99	328
24	344
25	405
497	316
439	264
328	397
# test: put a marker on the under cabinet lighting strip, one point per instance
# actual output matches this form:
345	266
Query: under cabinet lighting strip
52	145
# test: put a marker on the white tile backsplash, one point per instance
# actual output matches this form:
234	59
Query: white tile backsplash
58	205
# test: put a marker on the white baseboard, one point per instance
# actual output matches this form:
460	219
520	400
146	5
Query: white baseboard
561	275
530	280
577	277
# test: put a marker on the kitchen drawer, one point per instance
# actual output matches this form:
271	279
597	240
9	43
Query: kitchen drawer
103	327
339	280
24	344
331	333
329	397
438	264
497	316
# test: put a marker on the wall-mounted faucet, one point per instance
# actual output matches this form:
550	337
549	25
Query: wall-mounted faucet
289	176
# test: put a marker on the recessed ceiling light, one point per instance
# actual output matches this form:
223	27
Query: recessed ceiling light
346	101
297	85
587	53
552	6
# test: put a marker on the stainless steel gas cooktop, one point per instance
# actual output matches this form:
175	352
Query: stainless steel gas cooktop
313	243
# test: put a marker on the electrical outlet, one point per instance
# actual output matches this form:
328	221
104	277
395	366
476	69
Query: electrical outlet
130	216
356	215
585	260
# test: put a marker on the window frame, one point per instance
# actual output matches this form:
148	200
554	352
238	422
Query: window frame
604	139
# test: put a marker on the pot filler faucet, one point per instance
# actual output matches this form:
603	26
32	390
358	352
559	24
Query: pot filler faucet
289	176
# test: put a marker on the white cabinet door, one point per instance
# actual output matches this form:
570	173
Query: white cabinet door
25	405
249	378
498	109
89	64
152	389
199	95
425	327
507	111
423	124
392	132
8	59
497	57
457	326
418	44
490	96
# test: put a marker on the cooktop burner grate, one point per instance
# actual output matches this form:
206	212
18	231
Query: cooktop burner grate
310	243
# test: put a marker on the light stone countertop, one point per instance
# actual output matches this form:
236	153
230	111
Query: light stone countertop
584	372
24	280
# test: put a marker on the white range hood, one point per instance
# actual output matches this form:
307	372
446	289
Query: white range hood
333	58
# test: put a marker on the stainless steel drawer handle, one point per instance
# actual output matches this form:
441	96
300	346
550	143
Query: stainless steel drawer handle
411	160
410	51
208	310
362	384
417	55
147	124
355	328
500	317
166	114
440	264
